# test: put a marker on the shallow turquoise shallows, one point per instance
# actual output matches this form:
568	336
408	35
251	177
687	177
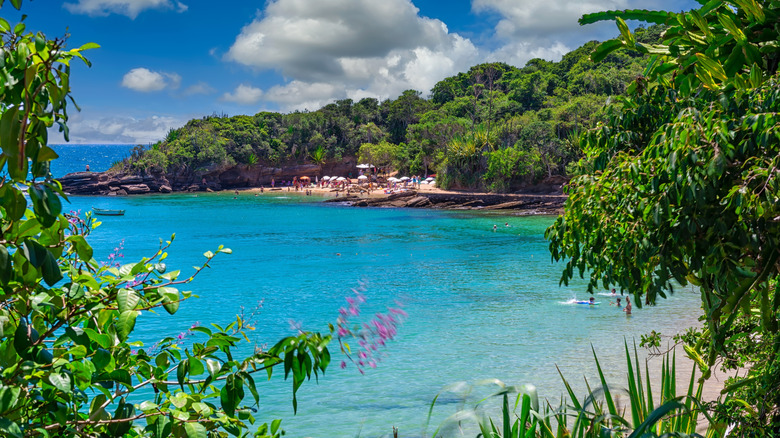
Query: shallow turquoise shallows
481	304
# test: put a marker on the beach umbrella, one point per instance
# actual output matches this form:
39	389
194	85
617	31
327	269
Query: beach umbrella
362	177
341	178
430	178
405	178
364	166
306	178
325	178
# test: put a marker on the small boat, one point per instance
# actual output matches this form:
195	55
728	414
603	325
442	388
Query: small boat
106	212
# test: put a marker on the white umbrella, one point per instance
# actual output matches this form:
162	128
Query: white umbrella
364	166
405	178
325	178
430	178
423	182
392	179
341	178
362	177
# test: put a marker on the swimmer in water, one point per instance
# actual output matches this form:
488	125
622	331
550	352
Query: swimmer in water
628	306
495	227
592	301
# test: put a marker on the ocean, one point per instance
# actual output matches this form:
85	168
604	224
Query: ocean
481	304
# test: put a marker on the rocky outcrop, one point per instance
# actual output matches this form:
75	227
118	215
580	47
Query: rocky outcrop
235	177
525	203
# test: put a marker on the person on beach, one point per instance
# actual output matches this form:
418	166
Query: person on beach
628	306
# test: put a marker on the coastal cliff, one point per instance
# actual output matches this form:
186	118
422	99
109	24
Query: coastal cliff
236	177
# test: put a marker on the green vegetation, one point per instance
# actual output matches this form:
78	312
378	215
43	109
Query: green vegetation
495	127
68	357
651	411
681	186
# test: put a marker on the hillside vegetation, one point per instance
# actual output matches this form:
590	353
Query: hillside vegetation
495	127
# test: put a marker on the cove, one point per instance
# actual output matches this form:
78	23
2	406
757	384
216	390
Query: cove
481	304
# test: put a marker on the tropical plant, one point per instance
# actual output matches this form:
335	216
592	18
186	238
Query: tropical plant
684	184
70	360
597	414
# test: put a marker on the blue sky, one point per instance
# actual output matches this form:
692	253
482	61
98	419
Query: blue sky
163	62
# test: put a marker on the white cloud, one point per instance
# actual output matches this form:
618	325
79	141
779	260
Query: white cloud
120	129
199	88
534	19
519	53
244	95
130	8
345	48
145	80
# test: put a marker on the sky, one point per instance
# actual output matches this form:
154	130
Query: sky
164	62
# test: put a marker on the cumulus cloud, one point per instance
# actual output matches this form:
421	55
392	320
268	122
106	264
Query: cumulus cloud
244	95
533	19
145	80
346	48
120	129
130	8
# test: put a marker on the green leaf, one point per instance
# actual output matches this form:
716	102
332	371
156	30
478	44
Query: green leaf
10	429
170	299
181	372
6	270
46	154
195	430
714	68
34	252
51	270
127	299
88	46
83	249
605	48
125	324
4	26
61	381
9	397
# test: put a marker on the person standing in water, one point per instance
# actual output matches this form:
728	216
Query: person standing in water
628	306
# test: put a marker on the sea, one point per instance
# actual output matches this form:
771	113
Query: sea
481	304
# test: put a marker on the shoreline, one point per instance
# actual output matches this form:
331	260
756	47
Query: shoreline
539	200
432	198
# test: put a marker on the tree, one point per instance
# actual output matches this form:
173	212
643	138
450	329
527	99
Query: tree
684	184
68	359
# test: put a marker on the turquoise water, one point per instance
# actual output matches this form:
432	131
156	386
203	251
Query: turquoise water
481	304
76	157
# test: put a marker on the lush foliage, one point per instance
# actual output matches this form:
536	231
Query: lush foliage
651	411
683	187
528	114
69	360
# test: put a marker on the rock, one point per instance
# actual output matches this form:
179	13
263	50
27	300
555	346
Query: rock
165	189
130	179
506	205
418	201
136	189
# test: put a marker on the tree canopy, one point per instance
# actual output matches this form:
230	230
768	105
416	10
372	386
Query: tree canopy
682	183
